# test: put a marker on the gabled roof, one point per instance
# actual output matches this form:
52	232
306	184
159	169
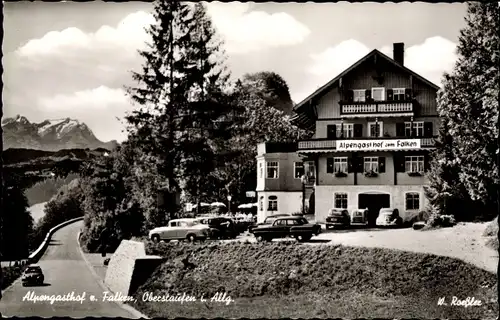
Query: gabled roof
332	82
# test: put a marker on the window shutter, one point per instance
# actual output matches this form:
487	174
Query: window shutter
350	165
359	164
358	130
329	165
408	94
331	131
381	164
400	129
368	95
390	95
427	162
428	132
350	95
399	163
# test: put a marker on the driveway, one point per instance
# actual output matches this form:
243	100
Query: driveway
65	272
464	242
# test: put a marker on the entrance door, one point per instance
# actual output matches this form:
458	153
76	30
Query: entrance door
374	202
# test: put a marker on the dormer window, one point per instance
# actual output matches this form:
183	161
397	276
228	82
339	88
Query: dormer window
398	94
359	95
378	94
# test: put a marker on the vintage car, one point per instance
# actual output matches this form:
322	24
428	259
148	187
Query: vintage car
389	217
338	218
222	227
181	229
359	217
32	275
291	226
268	220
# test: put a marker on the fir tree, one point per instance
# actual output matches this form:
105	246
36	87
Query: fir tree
180	91
469	102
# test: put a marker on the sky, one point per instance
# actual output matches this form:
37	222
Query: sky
68	59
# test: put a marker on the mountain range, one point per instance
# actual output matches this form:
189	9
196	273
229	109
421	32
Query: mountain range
50	135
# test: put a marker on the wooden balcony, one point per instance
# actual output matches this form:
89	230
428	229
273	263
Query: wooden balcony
324	145
377	108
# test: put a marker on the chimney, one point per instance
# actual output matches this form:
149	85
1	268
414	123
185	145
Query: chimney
398	53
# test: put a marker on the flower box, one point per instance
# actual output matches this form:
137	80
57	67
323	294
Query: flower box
415	174
371	174
340	174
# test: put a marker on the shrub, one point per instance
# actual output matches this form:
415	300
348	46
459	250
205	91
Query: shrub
438	220
10	274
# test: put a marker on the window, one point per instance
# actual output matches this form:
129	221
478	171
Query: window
371	164
311	169
398	94
412	201
261	170
414	164
272	203
347	132
375	129
281	222
378	94
261	204
359	95
272	170
173	224
341	200
418	129
340	164
298	168
292	222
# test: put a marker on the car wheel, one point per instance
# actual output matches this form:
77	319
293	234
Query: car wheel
191	237
259	238
301	238
155	238
328	227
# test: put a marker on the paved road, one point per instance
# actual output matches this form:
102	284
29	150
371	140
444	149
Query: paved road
65	272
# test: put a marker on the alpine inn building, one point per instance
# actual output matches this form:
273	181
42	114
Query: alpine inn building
374	125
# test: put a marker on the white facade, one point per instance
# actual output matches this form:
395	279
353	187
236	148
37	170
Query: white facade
325	198
287	202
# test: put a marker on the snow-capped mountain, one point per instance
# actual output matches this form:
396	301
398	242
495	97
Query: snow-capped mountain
50	135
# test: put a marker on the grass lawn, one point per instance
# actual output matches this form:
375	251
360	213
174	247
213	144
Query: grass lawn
280	280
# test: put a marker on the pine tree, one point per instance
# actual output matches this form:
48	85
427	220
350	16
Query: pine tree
180	91
469	100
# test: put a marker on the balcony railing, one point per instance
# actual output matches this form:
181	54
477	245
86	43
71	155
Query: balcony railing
352	108
329	144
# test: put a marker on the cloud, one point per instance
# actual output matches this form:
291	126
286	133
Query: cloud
430	59
93	100
98	107
334	60
128	35
244	30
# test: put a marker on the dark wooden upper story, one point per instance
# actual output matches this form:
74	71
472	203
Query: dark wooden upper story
375	86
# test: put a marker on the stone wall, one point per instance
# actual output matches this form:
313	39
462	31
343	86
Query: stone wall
123	267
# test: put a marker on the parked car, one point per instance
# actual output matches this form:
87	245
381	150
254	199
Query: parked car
268	220
181	229
291	226
359	217
338	218
33	275
389	217
221	227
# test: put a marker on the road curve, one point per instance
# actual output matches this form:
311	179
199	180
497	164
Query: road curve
65	272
